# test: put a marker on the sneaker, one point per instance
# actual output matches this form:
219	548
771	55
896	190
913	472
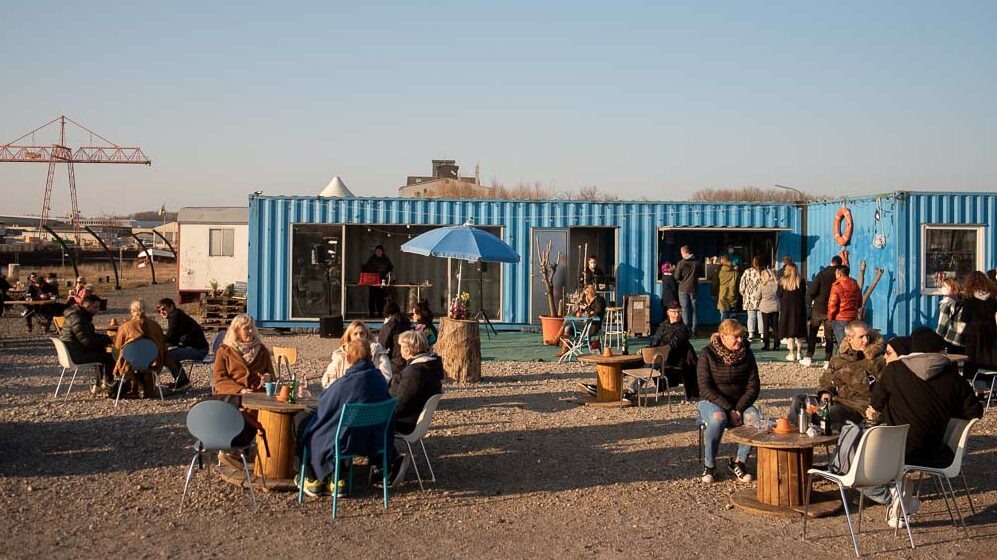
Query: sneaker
313	488
182	384
94	388
339	488
790	357
588	388
709	475
806	361
740	471
895	519
397	470
827	365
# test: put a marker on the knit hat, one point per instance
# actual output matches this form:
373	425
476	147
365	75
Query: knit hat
900	345
667	268
923	339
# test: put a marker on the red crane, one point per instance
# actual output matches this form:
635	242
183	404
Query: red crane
60	153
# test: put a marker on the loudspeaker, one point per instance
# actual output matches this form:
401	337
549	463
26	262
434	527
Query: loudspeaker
482	266
330	327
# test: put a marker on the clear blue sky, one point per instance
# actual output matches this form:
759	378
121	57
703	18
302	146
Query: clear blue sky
654	99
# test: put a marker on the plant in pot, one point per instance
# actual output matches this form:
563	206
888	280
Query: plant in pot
555	319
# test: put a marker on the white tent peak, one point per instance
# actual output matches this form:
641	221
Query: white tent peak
337	188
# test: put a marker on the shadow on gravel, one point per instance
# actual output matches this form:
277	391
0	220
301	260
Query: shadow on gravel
536	402
93	446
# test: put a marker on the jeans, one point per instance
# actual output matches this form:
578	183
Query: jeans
715	430
181	353
839	331
770	329
724	315
816	320
688	302
754	322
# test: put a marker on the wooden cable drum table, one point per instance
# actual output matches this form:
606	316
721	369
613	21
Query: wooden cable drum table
609	378
783	462
277	471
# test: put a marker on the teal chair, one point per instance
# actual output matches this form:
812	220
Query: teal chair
357	415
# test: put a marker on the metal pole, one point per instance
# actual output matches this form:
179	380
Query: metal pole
110	256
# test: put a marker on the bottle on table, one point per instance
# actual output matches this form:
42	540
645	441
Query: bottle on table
293	395
825	419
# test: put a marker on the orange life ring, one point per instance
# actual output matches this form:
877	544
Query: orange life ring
843	238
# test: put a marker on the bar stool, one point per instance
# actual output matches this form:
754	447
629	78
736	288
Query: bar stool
613	331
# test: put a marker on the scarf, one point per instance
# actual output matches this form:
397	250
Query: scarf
729	357
248	350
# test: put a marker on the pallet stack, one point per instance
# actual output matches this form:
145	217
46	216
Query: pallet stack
217	312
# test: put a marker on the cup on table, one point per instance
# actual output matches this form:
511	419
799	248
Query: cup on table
284	394
270	388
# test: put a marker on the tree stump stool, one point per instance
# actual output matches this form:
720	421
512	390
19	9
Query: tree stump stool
459	346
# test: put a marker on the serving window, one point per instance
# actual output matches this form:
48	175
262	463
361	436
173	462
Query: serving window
949	251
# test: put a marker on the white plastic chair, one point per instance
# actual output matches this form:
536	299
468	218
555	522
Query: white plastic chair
417	435
878	460
67	363
956	434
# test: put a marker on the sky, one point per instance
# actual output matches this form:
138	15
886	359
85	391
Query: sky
649	99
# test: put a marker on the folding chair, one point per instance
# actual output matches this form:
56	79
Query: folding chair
418	434
580	342
139	354
67	363
215	424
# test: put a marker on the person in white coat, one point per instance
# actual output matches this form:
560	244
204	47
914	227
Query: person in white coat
356	331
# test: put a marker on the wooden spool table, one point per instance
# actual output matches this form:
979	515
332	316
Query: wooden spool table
783	462
459	346
276	472
609	378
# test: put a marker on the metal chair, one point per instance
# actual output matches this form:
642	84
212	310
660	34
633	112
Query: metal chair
656	356
581	342
139	354
992	374
284	357
614	335
418	435
356	415
207	360
215	425
879	460
956	434
67	363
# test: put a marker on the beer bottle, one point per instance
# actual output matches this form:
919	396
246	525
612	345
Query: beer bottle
825	419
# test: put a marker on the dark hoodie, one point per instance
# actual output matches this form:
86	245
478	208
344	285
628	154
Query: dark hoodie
925	391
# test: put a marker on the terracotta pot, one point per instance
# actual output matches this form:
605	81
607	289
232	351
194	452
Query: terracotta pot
551	327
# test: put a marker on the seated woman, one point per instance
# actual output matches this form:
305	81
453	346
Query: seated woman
356	331
729	385
592	306
395	323
136	327
847	383
417	382
362	383
241	360
422	320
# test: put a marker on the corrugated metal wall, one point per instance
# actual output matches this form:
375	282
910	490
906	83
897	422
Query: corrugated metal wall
897	305
638	223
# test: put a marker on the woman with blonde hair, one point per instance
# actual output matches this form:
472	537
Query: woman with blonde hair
242	360
792	311
356	331
136	327
768	308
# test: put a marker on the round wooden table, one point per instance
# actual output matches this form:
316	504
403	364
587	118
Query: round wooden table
276	417
609	378
783	462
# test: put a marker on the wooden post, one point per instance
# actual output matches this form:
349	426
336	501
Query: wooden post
459	345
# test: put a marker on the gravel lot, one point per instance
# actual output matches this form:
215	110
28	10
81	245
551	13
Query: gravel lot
523	471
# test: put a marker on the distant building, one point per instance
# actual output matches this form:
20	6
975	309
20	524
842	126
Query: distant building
213	246
445	182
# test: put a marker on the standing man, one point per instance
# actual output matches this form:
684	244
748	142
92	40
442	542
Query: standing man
381	264
818	293
687	273
843	303
185	338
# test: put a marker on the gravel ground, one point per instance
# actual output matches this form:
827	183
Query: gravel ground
523	471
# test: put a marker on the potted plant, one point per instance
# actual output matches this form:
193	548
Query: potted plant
552	322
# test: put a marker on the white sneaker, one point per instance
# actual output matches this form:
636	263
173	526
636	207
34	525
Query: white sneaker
827	365
806	361
790	357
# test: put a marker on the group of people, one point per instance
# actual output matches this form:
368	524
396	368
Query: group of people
396	363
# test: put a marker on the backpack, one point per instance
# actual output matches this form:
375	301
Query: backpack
844	454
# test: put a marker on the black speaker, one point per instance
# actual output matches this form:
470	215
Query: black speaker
482	266
330	327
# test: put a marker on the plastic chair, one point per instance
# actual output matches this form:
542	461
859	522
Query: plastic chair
646	375
67	363
992	374
356	415
956	434
418	434
614	334
215	424
139	354
879	460
581	342
207	360
286	355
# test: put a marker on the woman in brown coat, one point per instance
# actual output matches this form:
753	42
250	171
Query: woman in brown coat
242	360
136	327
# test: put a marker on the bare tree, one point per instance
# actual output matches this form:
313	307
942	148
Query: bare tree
548	270
751	194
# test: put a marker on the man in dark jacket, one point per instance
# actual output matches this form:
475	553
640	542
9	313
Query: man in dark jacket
395	323
417	382
186	339
687	273
680	366
819	291
84	343
924	389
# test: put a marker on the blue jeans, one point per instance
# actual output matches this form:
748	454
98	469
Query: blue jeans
180	353
754	322
724	315
715	427
838	327
688	302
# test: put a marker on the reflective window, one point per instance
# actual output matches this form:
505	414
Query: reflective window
316	270
950	252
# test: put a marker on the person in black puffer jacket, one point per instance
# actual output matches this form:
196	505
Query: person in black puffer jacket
729	385
417	382
84	343
395	323
680	367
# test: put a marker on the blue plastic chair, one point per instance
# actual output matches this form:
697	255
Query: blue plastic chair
357	415
208	360
139	354
215	424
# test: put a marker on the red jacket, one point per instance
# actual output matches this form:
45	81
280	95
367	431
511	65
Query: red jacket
846	297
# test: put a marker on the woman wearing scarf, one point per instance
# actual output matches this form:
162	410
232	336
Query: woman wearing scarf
242	360
728	383
979	336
